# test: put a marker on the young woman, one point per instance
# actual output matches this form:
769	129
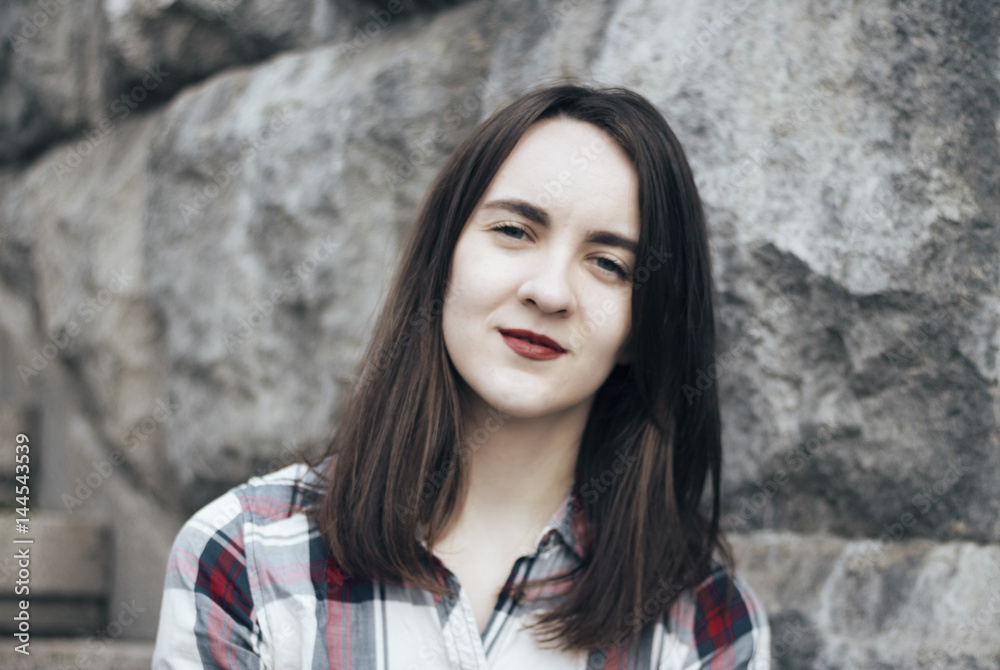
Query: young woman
517	477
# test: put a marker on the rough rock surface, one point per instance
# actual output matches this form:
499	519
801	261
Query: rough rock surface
69	66
237	228
836	603
277	202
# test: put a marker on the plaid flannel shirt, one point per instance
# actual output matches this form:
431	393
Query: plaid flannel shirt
250	585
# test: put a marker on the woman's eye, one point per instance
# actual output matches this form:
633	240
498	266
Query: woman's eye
510	230
606	263
611	265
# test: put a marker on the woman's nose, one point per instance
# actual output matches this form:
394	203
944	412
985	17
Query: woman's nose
549	287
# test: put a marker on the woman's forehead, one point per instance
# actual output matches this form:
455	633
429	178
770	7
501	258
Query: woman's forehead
566	166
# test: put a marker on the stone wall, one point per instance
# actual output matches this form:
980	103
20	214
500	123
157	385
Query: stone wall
200	202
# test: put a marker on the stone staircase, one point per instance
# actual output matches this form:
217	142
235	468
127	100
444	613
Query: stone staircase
70	622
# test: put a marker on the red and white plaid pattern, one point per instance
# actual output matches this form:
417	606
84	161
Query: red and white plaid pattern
250	585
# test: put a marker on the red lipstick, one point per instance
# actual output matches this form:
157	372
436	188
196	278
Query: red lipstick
532	345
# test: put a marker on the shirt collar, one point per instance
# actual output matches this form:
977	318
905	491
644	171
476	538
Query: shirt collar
569	523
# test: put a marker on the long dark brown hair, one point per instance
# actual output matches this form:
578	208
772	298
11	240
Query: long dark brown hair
397	460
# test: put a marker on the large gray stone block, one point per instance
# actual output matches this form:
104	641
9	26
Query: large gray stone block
52	72
67	556
78	69
60	579
857	273
276	199
848	158
836	603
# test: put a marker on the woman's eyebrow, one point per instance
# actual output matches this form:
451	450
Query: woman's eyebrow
522	207
538	215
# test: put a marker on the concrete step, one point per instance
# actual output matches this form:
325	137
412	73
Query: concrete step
67	574
89	653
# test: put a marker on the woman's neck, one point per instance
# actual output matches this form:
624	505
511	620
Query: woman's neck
519	470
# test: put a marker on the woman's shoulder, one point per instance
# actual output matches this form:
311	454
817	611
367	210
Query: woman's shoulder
275	499
723	621
221	567
277	495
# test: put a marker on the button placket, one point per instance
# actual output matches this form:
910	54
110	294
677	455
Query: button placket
466	651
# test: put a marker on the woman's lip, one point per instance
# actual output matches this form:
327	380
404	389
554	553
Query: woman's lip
533	338
533	350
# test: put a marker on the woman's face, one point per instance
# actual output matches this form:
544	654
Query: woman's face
538	305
